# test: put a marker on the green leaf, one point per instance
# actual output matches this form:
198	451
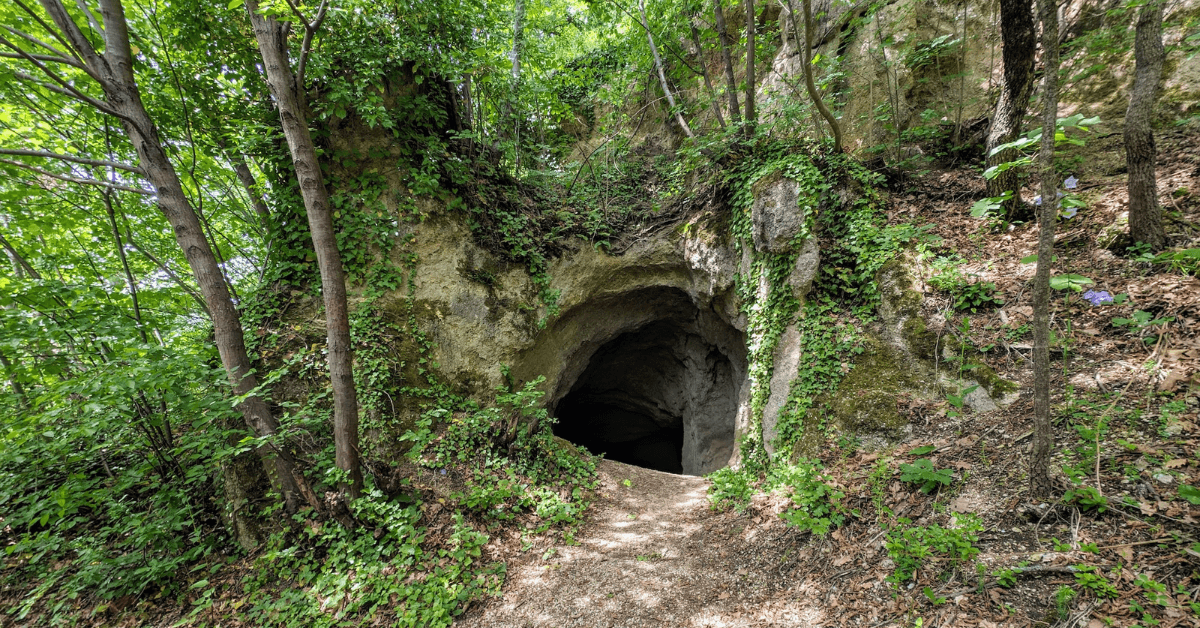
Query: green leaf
1069	282
921	451
1190	493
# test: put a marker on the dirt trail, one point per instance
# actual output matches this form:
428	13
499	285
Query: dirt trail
653	554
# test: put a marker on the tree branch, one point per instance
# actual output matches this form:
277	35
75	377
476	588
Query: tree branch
66	88
19	152
170	273
69	179
37	18
310	30
74	38
49	58
91	18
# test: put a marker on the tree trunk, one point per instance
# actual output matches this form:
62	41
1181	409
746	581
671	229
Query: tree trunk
662	77
712	94
1145	216
751	116
1040	486
518	48
242	170
1016	86
115	69
10	373
289	97
806	58
735	113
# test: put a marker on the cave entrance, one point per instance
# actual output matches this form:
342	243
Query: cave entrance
661	396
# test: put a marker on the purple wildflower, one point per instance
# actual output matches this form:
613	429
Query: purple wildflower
1070	212
1099	297
1071	183
1037	200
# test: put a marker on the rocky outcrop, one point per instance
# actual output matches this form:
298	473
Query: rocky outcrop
647	357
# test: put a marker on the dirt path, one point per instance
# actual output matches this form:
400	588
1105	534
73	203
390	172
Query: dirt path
653	554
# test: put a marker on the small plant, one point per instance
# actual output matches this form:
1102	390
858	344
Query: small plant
1185	262
1086	498
731	488
977	296
1141	322
1063	597
1005	577
1092	580
922	472
818	504
909	547
1190	494
959	400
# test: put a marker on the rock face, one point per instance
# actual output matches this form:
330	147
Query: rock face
647	358
774	213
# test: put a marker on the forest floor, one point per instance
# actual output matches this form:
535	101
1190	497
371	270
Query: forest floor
655	554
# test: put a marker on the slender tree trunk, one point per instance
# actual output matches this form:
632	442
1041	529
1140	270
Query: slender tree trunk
662	76
1145	216
115	71
1020	45
10	373
751	84
120	247
518	49
1043	434
806	58
289	98
731	90
712	94
246	178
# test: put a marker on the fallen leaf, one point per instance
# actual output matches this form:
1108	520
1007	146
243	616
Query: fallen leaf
1176	463
841	560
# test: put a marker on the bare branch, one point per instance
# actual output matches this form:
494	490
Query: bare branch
47	58
170	273
310	31
78	41
49	29
35	41
70	179
20	152
91	18
66	89
296	11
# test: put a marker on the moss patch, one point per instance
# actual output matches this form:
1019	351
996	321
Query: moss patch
865	401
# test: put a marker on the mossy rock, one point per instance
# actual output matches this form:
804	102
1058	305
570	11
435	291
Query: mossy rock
865	400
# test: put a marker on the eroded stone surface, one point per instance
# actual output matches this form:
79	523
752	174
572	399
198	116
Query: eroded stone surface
776	217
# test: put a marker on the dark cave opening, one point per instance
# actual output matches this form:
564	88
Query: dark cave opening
660	397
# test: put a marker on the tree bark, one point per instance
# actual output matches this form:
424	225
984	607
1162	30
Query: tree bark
289	98
751	116
712	94
1016	86
731	91
1043	435
662	76
1145	215
122	99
